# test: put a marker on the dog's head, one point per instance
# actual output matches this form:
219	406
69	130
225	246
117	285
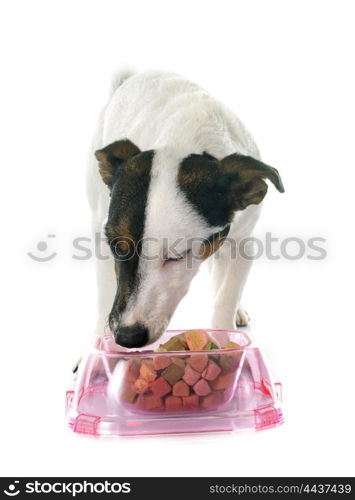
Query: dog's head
166	216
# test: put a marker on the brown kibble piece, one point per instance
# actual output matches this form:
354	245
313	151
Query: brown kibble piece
178	361
181	389
161	362
174	344
173	373
147	370
181	336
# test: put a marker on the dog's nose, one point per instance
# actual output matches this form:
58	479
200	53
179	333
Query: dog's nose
131	336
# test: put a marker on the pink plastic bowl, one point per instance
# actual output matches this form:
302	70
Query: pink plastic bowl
241	396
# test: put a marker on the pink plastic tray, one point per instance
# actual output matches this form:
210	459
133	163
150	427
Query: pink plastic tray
98	404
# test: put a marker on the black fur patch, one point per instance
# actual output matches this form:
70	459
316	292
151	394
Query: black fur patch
199	179
125	225
218	188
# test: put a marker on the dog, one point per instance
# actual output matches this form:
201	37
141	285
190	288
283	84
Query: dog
172	175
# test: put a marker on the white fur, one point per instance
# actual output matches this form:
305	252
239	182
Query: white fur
175	117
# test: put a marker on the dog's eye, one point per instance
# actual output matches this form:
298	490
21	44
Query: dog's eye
177	258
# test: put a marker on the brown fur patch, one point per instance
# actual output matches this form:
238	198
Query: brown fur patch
122	231
111	156
213	243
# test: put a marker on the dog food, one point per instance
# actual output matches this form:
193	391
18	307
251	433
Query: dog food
196	340
160	387
173	373
147	371
191	402
191	376
181	389
173	403
202	387
212	371
198	362
184	382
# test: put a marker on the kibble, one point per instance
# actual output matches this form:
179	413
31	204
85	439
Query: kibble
184	381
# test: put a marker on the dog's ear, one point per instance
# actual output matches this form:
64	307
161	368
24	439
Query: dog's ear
242	178
111	156
218	188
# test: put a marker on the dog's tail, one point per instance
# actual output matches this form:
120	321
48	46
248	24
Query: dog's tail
119	77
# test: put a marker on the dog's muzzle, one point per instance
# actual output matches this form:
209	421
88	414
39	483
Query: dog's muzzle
131	336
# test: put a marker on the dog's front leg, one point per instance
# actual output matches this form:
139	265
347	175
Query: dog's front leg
229	274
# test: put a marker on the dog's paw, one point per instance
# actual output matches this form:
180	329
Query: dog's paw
242	318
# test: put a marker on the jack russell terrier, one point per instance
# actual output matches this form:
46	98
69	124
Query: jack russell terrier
172	174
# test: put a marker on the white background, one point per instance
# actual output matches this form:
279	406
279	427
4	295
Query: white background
286	68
